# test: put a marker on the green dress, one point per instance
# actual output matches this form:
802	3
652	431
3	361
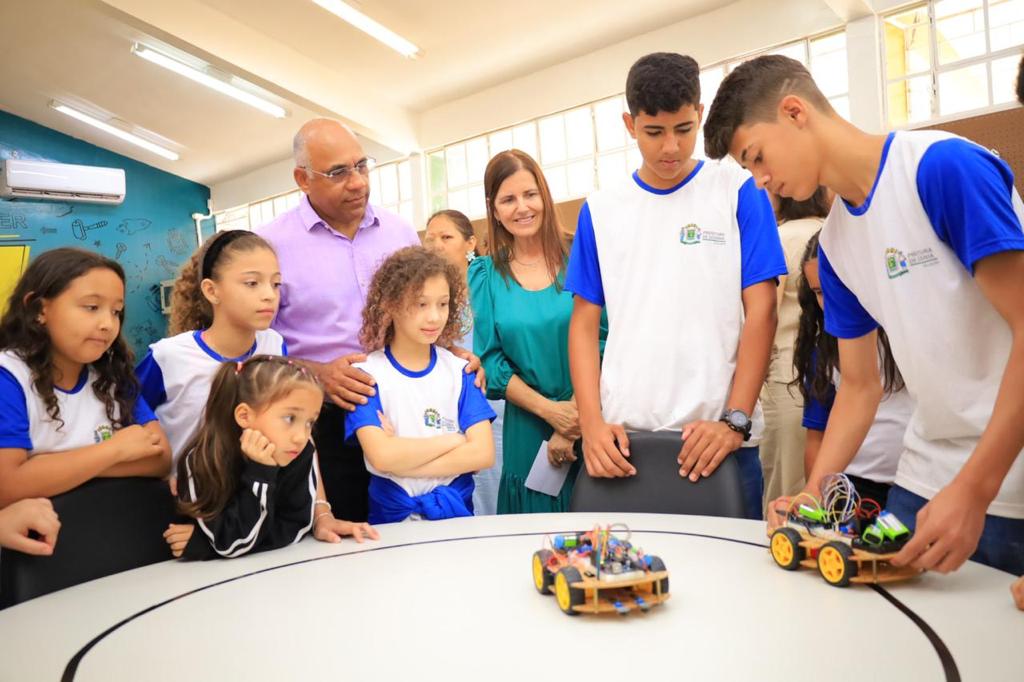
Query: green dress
525	333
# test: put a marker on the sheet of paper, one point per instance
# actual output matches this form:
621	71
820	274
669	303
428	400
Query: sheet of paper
545	478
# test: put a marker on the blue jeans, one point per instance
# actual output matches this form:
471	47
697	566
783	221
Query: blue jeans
1002	540
752	480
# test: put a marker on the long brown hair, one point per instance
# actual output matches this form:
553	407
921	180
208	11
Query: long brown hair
398	280
816	353
189	308
20	331
214	458
553	238
814	206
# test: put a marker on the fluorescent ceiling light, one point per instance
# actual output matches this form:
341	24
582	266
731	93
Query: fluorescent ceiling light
199	76
369	26
116	132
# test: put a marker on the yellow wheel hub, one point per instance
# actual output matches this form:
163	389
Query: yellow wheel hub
538	572
782	549
562	592
832	564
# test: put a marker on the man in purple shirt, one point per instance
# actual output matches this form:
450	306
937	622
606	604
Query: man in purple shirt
329	247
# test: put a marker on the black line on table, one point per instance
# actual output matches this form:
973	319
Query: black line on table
948	664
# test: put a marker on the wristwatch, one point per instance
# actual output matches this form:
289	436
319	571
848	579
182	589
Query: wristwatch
738	421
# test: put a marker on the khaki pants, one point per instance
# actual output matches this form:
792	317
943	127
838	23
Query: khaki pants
782	446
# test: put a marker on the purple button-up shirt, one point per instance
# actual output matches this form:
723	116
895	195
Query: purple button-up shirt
325	276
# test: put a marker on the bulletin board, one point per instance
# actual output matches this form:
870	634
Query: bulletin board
1002	131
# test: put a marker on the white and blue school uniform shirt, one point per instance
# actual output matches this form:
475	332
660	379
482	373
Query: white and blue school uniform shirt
879	454
670	267
904	260
420	404
26	425
176	375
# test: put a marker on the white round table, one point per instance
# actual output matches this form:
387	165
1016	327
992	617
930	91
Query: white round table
454	600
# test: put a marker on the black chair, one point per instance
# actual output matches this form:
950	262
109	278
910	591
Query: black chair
657	486
108	525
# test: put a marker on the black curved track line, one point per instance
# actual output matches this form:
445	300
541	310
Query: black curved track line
71	669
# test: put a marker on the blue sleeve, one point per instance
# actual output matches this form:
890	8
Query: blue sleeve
583	275
151	380
967	193
845	317
473	406
761	255
363	415
284	347
141	413
816	412
14	429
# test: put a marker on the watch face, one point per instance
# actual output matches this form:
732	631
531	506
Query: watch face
738	419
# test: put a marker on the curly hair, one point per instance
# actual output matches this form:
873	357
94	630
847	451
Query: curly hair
46	278
398	280
816	353
213	457
189	308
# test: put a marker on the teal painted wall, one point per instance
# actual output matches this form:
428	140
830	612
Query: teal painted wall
150	234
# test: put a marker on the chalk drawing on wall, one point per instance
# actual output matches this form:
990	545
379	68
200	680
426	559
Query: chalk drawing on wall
133	225
121	248
81	231
177	243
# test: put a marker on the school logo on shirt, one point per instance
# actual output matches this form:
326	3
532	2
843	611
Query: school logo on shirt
103	432
898	264
895	263
432	419
691	234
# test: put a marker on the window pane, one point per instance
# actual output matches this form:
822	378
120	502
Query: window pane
1006	23
910	101
455	158
294	198
611	168
611	131
435	168
963	90
795	51
959	29
552	140
581	177
524	138
579	132
405	210
710	79
405	180
458	200
906	43
557	182
388	180
500	141
476	159
842	106
280	204
1004	77
633	159
477	205
828	64
438	202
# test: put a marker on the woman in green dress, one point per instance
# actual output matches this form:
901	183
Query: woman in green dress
521	330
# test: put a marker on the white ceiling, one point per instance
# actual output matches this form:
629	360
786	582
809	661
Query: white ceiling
78	51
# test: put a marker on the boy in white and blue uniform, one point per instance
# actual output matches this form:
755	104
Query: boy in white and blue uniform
684	256
176	375
925	240
26	425
437	400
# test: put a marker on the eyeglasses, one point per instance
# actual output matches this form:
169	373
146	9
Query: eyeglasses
343	173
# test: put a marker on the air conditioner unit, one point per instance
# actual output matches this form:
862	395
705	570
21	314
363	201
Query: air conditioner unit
43	180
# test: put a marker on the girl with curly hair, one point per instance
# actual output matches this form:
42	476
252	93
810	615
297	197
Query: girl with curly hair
427	428
250	476
222	306
67	389
816	372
